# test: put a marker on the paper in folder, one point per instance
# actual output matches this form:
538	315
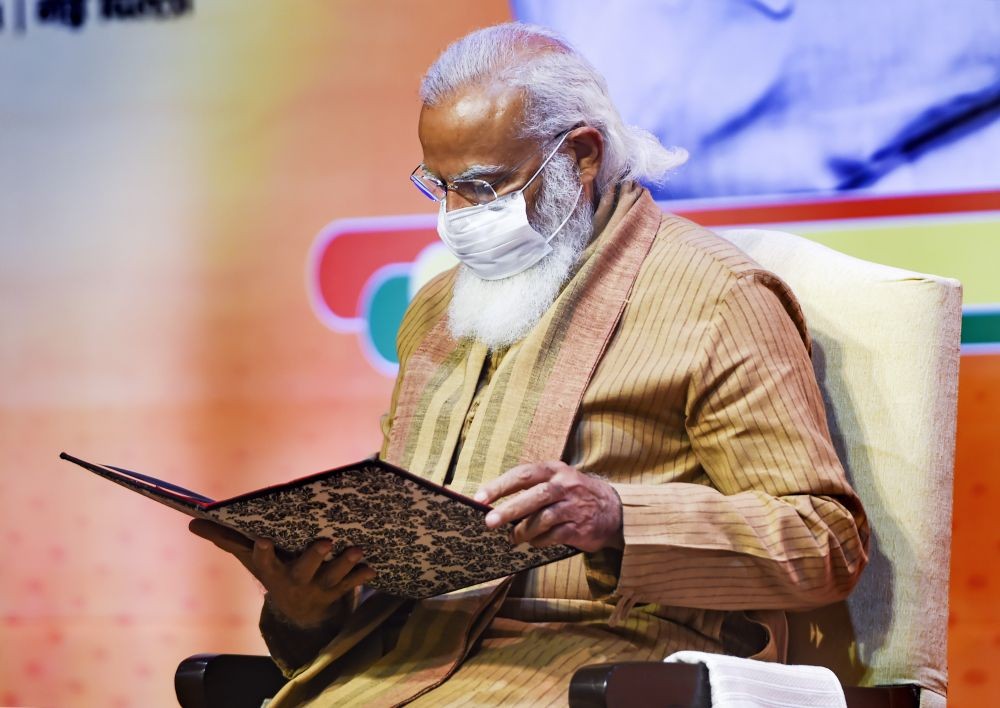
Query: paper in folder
422	539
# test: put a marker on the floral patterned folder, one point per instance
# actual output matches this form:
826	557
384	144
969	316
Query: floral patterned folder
422	539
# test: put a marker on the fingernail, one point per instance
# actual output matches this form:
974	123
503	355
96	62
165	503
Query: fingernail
492	519
354	555
264	545
480	496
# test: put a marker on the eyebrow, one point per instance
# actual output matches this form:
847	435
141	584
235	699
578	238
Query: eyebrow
479	172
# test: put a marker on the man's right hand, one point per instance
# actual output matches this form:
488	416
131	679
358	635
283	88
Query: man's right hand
303	591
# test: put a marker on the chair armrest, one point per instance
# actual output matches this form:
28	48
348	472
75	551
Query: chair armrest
902	696
638	684
226	681
655	683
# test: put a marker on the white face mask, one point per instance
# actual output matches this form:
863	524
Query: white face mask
495	240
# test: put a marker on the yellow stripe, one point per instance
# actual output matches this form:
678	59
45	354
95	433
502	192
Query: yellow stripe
430	435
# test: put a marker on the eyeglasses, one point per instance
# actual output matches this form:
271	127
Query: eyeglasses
474	191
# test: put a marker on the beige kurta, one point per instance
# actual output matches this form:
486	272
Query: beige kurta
678	369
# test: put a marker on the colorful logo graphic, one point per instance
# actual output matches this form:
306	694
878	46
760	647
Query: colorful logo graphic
362	273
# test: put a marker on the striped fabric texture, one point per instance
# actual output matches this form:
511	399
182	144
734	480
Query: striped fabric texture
678	370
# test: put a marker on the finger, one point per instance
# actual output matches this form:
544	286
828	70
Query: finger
541	522
305	566
225	538
534	499
514	480
562	534
264	563
360	575
336	570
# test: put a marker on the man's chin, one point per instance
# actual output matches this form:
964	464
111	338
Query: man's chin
498	313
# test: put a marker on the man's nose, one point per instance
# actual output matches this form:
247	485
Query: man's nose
453	200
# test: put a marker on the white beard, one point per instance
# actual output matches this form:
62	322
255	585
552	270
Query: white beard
501	312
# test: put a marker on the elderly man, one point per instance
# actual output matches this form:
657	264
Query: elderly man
607	376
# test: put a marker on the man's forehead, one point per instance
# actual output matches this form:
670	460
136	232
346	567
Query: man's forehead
487	103
477	126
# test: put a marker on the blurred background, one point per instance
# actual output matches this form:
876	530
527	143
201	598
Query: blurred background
207	239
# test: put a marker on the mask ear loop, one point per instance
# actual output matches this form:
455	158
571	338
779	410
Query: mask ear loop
571	211
546	161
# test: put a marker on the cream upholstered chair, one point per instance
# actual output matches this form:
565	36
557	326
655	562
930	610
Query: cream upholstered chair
885	350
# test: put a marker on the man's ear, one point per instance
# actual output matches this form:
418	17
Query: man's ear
587	145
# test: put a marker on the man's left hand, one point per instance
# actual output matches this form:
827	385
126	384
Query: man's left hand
558	505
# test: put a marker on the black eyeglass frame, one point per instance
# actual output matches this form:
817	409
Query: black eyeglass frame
479	199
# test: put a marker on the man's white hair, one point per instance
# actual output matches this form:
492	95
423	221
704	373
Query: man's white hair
561	89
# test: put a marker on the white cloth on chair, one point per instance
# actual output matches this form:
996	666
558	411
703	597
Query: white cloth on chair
747	683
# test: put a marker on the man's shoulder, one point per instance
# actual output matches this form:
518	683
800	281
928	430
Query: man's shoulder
702	268
428	305
435	294
682	246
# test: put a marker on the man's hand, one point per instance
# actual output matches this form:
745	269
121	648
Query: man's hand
558	504
303	591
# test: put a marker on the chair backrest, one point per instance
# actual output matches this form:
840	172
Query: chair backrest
885	350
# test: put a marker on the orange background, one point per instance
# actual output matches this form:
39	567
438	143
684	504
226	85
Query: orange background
160	188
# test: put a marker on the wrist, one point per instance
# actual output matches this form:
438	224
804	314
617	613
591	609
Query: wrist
299	624
617	538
